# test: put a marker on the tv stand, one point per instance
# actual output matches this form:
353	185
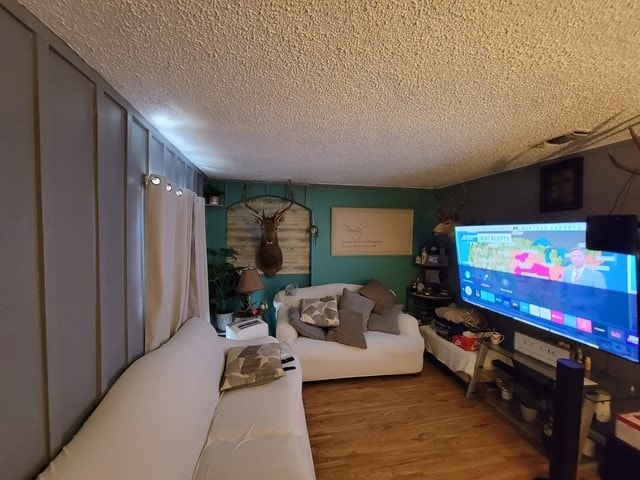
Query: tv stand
528	378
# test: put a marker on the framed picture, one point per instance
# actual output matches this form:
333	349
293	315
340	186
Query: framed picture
371	231
561	186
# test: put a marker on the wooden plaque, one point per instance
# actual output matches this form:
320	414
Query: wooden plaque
371	231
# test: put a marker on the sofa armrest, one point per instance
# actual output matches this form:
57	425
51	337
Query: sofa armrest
285	333
154	420
408	324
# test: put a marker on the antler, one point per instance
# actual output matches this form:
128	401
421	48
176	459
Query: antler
461	206
439	212
259	215
280	212
440	215
635	171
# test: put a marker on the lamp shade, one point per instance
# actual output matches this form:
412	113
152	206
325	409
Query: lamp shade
250	281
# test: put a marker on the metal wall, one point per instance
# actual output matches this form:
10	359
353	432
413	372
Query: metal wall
73	155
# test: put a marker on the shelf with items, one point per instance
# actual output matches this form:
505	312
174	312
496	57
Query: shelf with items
432	257
430	279
514	377
426	294
537	432
531	371
429	297
423	306
213	195
439	262
508	410
504	388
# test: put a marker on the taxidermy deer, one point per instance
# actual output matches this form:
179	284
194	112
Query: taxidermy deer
446	221
269	257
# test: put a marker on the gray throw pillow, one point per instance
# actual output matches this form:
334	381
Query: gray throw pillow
304	329
357	303
322	312
252	365
380	294
350	331
387	323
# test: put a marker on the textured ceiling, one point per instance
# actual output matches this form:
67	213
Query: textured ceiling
355	92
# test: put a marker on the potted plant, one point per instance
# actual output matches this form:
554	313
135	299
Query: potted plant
211	193
529	406
223	279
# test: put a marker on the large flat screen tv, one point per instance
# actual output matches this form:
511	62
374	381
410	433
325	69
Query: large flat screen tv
542	275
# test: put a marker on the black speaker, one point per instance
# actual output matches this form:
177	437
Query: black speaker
613	233
567	413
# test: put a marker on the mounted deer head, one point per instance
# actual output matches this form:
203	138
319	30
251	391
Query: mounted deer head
448	220
635	171
269	256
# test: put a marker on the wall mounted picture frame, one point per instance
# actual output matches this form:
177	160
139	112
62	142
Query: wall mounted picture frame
371	231
561	186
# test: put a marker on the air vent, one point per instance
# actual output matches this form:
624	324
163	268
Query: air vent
569	137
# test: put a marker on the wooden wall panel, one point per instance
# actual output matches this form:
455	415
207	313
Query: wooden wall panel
69	220
169	159
244	234
112	164
136	169
22	375
156	156
190	178
177	172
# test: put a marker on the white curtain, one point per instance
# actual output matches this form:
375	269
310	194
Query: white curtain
176	260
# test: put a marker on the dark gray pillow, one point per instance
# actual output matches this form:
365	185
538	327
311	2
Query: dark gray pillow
350	331
387	323
356	303
305	329
380	294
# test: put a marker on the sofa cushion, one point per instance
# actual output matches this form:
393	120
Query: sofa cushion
357	303
259	433
265	410
350	331
252	365
305	329
380	294
387	323
271	457
322	312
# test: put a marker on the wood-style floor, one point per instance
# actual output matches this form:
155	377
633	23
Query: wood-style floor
413	426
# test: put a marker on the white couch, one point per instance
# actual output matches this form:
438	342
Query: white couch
164	419
386	354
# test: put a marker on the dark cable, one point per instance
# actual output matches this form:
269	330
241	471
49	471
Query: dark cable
626	186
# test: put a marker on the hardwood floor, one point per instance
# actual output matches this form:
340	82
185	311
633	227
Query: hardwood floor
413	426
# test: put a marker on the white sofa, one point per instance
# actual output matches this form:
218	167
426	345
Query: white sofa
165	419
386	354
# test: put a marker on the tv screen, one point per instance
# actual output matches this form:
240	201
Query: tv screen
542	275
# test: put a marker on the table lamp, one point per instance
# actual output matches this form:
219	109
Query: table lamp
249	282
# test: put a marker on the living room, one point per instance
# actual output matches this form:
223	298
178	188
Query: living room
74	248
